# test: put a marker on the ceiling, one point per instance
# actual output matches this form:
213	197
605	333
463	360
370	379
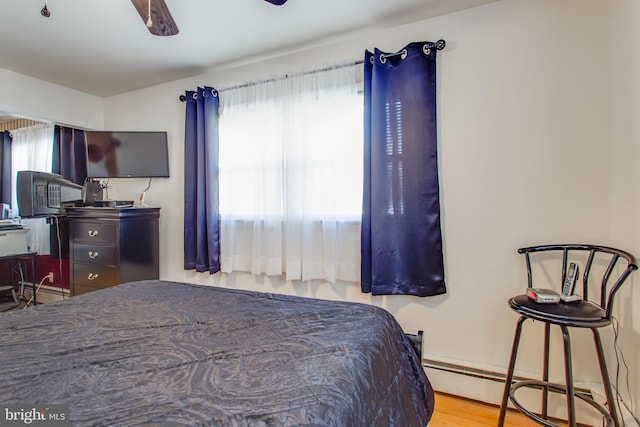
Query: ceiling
102	47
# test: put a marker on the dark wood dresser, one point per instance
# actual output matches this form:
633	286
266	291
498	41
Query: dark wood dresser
109	246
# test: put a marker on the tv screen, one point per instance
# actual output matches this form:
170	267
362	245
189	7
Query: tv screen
127	154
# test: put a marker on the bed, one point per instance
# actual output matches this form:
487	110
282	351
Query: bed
168	353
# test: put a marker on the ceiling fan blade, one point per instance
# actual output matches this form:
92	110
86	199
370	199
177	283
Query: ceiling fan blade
162	23
277	2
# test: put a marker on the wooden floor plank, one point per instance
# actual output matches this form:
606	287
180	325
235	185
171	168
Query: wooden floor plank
453	411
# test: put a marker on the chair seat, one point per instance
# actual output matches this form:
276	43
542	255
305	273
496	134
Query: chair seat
582	314
6	293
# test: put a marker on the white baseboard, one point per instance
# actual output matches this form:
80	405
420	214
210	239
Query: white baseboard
46	293
487	385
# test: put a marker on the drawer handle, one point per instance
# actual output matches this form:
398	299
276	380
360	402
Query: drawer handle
93	276
93	255
93	233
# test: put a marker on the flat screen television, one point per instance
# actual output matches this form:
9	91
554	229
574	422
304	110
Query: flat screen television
44	194
127	154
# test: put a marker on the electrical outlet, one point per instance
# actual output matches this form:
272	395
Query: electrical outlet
50	277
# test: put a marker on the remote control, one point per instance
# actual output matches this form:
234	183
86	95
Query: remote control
570	280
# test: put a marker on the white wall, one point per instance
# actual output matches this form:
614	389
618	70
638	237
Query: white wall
27	97
524	112
537	101
624	138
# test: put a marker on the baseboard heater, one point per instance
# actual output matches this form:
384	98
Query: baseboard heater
54	290
483	373
43	291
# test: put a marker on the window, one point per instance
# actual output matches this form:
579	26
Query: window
32	149
291	176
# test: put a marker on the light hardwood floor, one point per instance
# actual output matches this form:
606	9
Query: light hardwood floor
452	411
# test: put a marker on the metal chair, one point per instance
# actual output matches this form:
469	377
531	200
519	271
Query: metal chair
8	298
615	266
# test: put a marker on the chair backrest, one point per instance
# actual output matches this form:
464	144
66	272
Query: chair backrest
617	266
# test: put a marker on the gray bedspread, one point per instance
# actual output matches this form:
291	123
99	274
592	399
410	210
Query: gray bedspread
167	353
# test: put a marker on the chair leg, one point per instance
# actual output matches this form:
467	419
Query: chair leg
545	372
571	403
509	378
605	378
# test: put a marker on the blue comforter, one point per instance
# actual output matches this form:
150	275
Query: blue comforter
167	353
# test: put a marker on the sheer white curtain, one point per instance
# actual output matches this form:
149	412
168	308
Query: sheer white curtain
291	177
32	149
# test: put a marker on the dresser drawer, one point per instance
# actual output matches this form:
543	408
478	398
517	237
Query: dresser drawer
79	289
94	254
94	231
97	276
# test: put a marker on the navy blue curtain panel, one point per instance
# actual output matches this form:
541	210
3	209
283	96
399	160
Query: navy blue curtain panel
401	235
70	153
70	161
201	201
5	168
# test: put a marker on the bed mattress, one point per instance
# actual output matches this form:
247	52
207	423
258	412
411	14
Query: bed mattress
168	353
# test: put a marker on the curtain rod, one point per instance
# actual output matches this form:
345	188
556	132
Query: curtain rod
439	45
183	98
